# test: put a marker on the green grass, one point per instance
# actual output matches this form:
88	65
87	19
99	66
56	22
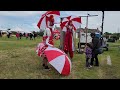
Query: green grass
18	60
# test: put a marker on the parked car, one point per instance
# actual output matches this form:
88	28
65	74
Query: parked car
111	40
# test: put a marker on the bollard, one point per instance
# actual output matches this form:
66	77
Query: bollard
109	60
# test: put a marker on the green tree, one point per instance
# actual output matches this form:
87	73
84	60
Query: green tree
106	34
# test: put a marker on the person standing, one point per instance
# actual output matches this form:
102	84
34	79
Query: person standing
88	52
48	38
26	35
31	36
17	35
47	41
95	46
68	42
34	35
20	35
8	34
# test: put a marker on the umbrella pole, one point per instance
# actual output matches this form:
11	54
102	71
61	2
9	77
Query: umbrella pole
74	39
61	39
86	28
62	36
79	39
61	47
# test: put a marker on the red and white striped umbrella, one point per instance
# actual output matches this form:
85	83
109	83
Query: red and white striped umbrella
76	21
59	60
42	24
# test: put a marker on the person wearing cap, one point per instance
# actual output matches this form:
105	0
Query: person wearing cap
95	45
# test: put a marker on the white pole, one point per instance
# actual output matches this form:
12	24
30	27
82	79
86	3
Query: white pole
79	37
86	28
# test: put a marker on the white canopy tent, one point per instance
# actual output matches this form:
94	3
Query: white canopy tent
20	30
17	30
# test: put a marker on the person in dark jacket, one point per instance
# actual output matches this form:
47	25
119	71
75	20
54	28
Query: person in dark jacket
31	36
95	45
34	35
24	34
8	34
20	35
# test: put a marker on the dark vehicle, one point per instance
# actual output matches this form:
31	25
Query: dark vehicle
104	43
111	40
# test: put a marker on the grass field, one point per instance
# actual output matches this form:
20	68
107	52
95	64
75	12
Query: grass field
18	60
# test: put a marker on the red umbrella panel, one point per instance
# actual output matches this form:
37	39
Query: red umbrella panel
59	60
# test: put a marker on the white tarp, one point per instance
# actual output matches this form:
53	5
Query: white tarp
17	30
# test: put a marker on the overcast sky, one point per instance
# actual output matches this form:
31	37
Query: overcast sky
28	20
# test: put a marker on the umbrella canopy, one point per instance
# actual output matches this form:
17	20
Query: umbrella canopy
59	60
76	21
42	24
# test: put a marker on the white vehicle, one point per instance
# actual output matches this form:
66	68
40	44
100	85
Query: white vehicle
83	38
89	40
83	41
104	43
